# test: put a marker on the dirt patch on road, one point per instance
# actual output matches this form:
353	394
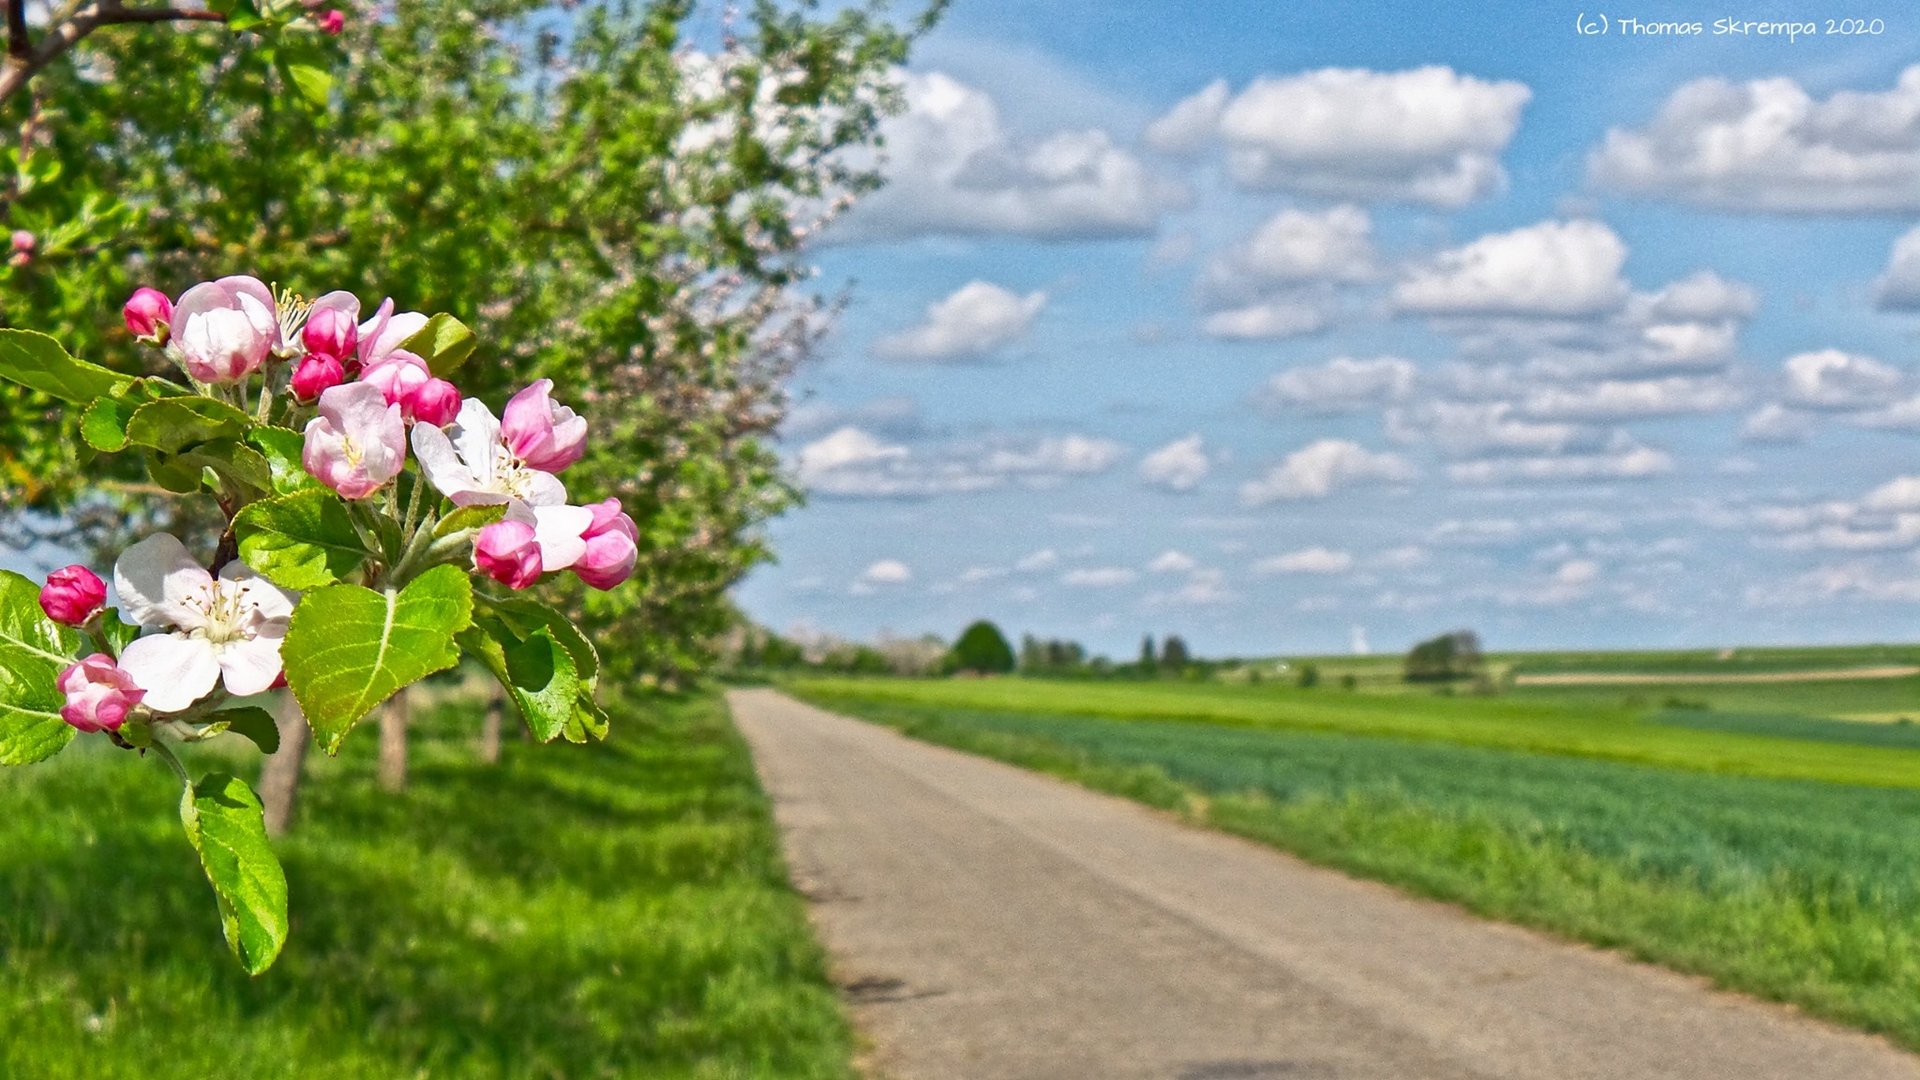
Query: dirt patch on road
1622	678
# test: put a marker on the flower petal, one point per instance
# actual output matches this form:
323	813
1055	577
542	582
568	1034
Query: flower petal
441	462
158	583
257	593
558	530
175	670
251	665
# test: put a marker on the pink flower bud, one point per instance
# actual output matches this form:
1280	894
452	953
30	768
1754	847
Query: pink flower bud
612	547
332	332
541	434
437	402
147	315
357	443
507	552
24	242
333	22
99	694
225	330
73	595
399	377
315	375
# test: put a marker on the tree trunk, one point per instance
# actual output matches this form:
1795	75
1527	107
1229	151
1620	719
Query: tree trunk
490	727
393	743
280	775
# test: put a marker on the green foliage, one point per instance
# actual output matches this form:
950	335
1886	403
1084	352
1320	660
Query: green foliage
300	541
222	817
1445	658
444	343
611	910
1307	677
1798	891
33	651
349	648
982	649
40	363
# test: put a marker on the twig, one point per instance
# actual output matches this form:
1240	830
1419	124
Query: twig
25	60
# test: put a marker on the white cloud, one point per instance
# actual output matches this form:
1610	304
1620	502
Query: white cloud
1555	268
1405	557
978	319
1576	572
895	416
1102	577
1902	493
1314	560
1769	146
1203	588
1622	459
1429	135
1178	466
1172	562
952	167
1704	296
1831	379
1293	247
1044	559
1341	385
1899	288
1624	399
1321	467
1774	423
852	463
887	572
1474	428
1281	317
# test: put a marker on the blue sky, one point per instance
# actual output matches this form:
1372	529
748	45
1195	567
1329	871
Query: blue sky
1411	321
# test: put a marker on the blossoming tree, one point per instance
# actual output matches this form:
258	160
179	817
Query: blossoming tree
378	528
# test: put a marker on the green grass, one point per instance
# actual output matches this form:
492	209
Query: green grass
1795	890
1602	728
576	912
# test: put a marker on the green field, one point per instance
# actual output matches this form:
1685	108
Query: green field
609	911
1778	853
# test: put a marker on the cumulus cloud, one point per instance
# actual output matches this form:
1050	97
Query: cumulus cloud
1769	146
853	463
1313	560
1621	459
953	167
1775	423
977	320
1178	466
1624	399
1294	247
1033	562
1899	288
1341	385
1462	429
1831	379
887	572
898	417
1099	577
1322	467
1555	268
1428	135
1172	562
1282	317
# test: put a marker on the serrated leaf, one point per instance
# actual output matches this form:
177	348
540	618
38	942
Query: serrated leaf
118	632
255	723
469	517
224	822
300	541
38	362
536	672
170	425
34	650
104	426
350	648
241	469
444	343
589	720
282	448
523	615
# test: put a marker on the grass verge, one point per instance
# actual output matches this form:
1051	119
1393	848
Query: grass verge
1797	891
575	912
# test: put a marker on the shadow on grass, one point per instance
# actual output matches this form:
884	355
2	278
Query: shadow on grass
575	912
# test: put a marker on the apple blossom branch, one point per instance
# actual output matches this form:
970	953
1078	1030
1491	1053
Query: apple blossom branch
68	27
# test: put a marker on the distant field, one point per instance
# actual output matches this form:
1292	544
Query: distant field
574	912
1382	671
1776	852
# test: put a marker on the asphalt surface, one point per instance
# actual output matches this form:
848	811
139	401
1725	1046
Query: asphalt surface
988	923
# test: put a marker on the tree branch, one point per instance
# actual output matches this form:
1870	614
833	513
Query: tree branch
24	60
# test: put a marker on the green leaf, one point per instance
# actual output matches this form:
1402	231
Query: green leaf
468	517
524	615
241	469
350	648
104	426
283	447
536	672
118	632
444	343
170	425
300	541
311	81
34	650
588	721
223	820
255	723
38	362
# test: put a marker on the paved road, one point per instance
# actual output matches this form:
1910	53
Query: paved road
992	924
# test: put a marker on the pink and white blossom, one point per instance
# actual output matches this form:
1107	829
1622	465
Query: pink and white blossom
540	433
612	547
99	694
224	330
72	595
148	313
314	375
333	330
437	402
212	631
471	464
358	442
332	21
382	335
507	552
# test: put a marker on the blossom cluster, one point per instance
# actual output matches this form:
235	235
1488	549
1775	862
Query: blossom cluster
370	400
